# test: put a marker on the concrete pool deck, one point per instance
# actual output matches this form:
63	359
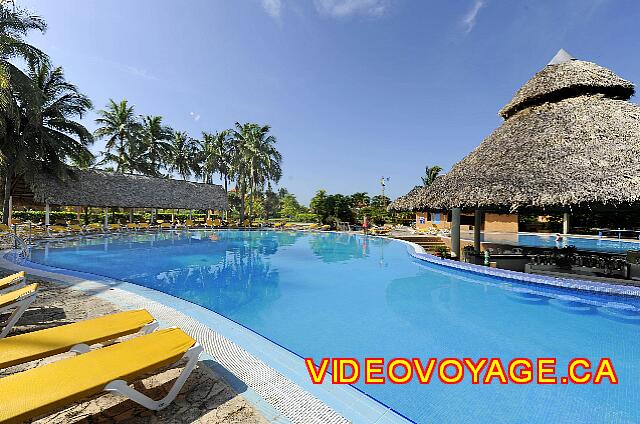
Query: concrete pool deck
207	397
271	378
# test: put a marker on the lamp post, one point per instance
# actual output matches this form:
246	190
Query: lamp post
383	183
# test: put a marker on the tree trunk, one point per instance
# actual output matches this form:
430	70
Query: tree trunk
242	190
2	181
251	204
7	194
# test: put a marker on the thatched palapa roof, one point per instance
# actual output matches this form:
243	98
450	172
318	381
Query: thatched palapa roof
570	139
405	203
110	189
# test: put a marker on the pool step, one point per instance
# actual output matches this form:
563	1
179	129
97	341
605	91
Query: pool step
430	244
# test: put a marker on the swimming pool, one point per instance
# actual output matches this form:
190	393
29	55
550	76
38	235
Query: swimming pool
591	244
340	295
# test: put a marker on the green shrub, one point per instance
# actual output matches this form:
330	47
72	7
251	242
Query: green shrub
306	217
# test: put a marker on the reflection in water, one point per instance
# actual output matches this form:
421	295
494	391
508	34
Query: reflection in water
342	247
221	270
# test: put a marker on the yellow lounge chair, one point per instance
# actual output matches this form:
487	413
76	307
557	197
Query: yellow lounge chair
4	228
76	228
278	224
115	227
189	223
94	226
209	223
132	226
12	282
75	337
143	226
325	227
41	390
217	223
57	230
165	226
246	223
18	301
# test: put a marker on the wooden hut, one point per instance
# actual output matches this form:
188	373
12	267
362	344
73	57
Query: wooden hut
98	188
570	139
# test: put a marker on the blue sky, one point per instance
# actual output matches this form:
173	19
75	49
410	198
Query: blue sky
354	89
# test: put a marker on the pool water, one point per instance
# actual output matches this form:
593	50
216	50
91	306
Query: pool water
590	244
338	295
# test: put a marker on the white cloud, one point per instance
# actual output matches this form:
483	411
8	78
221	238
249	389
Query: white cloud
140	72
469	19
273	8
343	8
195	116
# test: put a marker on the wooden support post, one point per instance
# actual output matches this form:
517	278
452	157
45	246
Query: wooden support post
10	210
477	227
566	223
455	233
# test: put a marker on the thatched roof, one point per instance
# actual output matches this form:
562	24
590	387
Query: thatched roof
570	139
568	78
110	189
405	203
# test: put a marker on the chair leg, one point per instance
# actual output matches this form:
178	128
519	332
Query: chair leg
150	328
123	388
21	307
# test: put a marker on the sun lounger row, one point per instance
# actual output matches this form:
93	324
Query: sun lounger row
41	390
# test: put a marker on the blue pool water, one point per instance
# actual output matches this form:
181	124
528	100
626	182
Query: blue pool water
339	295
549	240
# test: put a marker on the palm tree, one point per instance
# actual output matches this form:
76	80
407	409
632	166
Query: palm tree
185	153
217	156
60	135
265	163
156	142
18	96
430	175
255	160
120	126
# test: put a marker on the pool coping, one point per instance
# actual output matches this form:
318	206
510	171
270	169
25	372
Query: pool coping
568	283
231	348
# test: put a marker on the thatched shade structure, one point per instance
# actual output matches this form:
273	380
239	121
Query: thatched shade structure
405	203
570	139
97	188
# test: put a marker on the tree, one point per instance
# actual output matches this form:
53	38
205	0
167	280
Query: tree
380	201
430	175
290	207
255	161
19	98
185	154
360	200
217	156
156	142
61	136
271	203
120	126
319	205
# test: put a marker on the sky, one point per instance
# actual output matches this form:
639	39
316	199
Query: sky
353	89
